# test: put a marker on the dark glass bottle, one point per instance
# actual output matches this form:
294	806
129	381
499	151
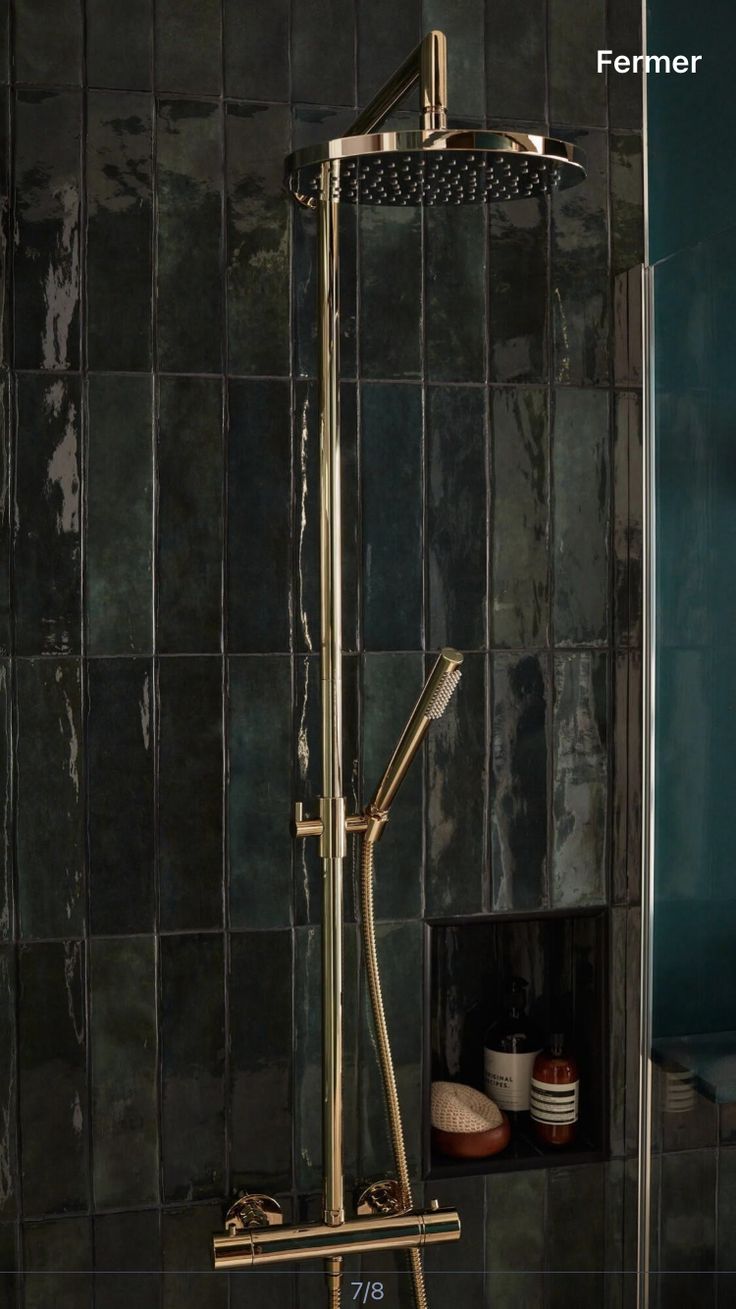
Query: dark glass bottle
511	1046
555	1092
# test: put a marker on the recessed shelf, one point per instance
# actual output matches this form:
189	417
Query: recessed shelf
563	956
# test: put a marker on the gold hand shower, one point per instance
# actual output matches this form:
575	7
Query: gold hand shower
433	701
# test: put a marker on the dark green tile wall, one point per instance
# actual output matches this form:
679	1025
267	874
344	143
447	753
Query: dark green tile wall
159	956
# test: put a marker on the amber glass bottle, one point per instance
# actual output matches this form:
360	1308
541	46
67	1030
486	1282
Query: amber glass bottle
555	1094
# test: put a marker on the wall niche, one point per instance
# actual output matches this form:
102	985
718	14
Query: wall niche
563	957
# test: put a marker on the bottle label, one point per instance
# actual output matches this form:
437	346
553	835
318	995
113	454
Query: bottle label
507	1078
554	1103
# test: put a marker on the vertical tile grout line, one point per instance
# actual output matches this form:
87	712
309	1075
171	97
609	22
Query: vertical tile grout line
15	925
489	525
83	630
610	538
224	642
294	590
547	899
155	663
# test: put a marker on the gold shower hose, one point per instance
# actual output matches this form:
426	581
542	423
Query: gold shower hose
368	929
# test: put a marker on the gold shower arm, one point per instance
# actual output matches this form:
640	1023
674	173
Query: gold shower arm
426	65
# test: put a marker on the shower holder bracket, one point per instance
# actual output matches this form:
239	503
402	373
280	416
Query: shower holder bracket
383	1197
354	824
252	1210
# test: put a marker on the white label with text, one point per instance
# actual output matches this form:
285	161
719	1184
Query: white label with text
554	1104
507	1078
647	63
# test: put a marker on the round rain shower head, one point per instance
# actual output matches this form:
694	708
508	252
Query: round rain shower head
452	167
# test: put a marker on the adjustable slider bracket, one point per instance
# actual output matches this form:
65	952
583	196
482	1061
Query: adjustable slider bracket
333	825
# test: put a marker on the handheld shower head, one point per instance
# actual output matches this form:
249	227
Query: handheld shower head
432	703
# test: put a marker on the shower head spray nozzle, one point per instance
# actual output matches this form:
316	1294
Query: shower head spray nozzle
432	703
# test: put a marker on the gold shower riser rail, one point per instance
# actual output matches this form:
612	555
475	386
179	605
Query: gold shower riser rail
246	1246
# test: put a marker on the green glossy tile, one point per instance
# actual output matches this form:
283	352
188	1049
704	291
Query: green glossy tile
259	473
50	763
624	36
579	787
515	1229
120	44
9	1265
6	523
520	500
516	69
190	793
188	1281
188	43
192	1027
58	1263
5	41
190	181
257	49
726	1237
315	78
261	1061
119	528
385	37
391	687
575	1234
457	515
258	138
49	42
190	515
580	283
519	306
391	442
457	781
119	220
7	892
577	91
47	197
260	792
125	1146
627	201
9	1179
120	804
581	479
391	292
52	1039
127	1260
47	538
521	695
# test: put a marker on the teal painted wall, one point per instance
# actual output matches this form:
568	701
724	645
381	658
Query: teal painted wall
692	206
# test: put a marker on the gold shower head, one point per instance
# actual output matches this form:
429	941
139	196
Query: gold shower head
432	703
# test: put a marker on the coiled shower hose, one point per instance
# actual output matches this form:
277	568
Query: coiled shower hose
370	956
